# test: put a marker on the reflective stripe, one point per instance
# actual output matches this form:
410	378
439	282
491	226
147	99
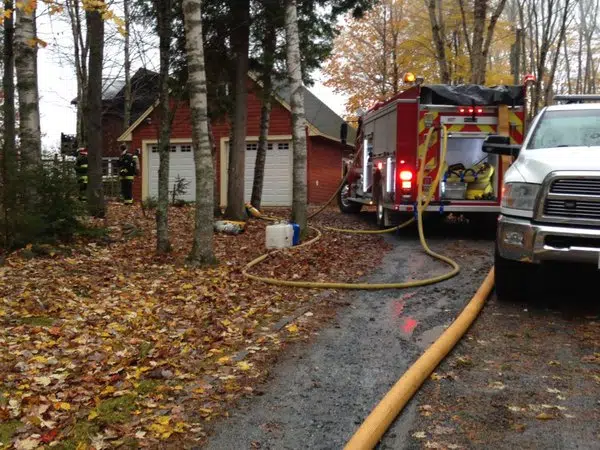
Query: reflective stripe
83	166
129	177
84	179
128	202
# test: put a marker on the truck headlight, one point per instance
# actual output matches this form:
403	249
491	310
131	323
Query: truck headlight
519	195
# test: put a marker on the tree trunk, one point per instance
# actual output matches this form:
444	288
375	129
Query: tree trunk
438	42
163	10
8	84
127	67
567	67
294	68
561	36
9	150
202	247
477	60
269	46
240	37
485	51
80	53
93	113
29	113
213	150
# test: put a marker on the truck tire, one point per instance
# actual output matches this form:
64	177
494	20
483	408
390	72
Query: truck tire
347	206
511	278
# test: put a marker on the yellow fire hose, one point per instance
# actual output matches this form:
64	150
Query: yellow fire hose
376	424
421	206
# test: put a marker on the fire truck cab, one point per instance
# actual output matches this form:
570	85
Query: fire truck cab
391	143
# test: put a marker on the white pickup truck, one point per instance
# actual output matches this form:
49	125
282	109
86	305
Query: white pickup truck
550	207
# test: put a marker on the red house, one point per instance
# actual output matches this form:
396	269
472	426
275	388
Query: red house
325	151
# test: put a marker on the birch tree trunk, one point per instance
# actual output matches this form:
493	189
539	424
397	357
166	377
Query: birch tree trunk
202	247
240	37
269	46
127	67
294	68
25	65
93	113
163	10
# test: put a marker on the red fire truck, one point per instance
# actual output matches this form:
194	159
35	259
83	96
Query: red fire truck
391	140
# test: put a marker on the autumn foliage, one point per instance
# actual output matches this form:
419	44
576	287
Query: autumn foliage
104	342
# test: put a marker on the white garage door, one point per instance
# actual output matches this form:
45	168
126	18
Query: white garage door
277	184
181	166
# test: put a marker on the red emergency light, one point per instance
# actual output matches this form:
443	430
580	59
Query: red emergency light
463	110
406	177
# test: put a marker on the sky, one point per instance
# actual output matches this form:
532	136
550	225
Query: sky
58	84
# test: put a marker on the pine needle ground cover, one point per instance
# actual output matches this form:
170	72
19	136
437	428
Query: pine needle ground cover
105	345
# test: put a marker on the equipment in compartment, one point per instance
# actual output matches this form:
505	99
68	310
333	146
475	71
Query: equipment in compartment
474	183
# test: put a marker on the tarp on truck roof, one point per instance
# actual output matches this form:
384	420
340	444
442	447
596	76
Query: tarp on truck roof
472	94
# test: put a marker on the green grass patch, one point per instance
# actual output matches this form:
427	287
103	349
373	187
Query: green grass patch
82	432
145	348
147	386
7	431
37	321
115	410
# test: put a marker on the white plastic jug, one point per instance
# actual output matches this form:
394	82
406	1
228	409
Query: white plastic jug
280	235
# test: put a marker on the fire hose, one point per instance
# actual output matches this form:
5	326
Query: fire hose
422	204
381	417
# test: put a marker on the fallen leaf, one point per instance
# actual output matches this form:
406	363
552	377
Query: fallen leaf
27	444
293	328
44	381
244	366
93	414
545	416
419	435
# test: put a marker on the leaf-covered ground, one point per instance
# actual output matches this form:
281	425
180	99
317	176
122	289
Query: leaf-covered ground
105	345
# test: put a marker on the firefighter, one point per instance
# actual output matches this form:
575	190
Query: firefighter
81	170
129	168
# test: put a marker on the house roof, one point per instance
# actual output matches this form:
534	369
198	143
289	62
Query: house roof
318	114
322	120
144	85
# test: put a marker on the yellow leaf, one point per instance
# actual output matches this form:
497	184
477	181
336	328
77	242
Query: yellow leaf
226	322
244	366
223	360
108	390
81	446
2	312
187	286
62	405
292	328
92	415
435	377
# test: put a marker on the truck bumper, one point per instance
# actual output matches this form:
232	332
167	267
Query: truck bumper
522	240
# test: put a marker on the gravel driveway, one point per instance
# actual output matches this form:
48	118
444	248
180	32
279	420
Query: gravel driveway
319	393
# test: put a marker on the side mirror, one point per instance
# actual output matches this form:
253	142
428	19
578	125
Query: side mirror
500	145
344	133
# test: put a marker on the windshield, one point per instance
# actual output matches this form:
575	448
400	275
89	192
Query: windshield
569	128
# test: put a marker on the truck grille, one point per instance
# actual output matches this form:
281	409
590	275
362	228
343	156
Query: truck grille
576	187
574	209
574	198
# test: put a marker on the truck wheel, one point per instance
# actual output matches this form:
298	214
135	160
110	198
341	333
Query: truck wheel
347	206
511	278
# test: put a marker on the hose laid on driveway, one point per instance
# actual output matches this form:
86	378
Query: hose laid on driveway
421	206
376	424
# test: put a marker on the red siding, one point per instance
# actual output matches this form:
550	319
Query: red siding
324	158
324	168
112	128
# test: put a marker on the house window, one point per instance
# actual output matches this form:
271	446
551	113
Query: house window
173	148
283	146
186	148
269	146
154	148
252	147
110	167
